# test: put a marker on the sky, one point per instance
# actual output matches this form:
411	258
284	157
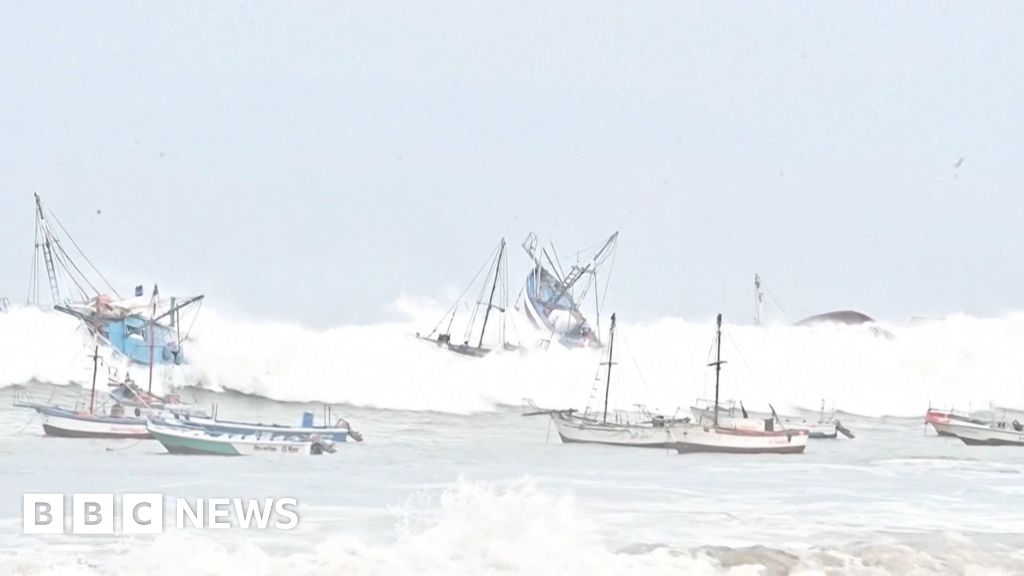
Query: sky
312	162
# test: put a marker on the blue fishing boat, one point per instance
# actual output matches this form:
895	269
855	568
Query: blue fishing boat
551	297
144	329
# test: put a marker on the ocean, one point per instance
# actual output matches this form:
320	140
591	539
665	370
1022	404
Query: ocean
452	479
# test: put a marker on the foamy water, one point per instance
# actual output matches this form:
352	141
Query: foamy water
451	480
899	370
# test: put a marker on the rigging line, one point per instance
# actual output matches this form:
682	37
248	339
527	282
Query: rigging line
33	279
455	305
93	266
636	366
67	263
742	358
63	259
192	323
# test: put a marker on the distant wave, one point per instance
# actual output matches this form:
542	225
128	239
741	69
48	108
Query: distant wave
954	361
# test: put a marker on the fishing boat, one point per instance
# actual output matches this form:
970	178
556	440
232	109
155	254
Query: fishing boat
89	422
189	440
943	420
340	431
719	433
142	329
493	296
991	434
551	297
826	426
641	430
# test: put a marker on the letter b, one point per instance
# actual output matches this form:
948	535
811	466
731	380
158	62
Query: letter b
42	513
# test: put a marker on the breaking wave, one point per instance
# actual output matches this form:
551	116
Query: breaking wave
514	528
892	369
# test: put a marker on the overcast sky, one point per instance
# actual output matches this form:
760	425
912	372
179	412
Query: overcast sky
312	161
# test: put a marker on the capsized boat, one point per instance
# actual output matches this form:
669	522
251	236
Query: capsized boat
744	435
551	298
641	430
340	431
493	296
189	440
144	329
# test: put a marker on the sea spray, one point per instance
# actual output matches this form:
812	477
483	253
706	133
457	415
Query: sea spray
893	369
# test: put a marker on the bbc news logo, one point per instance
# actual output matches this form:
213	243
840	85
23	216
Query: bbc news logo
144	513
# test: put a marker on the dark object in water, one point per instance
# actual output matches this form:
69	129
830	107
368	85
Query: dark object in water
849	317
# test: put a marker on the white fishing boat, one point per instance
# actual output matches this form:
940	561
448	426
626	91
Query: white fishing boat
737	434
642	429
493	296
89	422
70	424
187	440
340	431
825	426
943	420
994	434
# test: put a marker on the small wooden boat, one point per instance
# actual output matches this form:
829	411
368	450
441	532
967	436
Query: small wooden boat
641	430
825	427
941	420
90	422
994	434
188	440
341	431
741	435
70	424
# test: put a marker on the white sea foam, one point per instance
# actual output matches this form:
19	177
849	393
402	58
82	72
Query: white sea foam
512	528
955	361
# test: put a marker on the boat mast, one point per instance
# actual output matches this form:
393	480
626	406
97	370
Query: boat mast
718	364
92	395
152	342
608	381
51	272
758	301
494	286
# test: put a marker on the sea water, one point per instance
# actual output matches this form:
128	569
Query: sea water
452	479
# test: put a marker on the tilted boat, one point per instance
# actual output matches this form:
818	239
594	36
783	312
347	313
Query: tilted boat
341	431
493	296
190	440
551	298
144	330
641	430
737	435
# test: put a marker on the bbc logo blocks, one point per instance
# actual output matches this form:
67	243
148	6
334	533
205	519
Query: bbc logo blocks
92	514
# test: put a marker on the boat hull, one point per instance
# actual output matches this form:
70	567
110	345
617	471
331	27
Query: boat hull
190	441
66	424
228	427
984	435
708	438
578	431
560	319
